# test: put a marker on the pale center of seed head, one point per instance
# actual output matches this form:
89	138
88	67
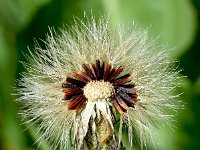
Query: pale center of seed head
98	90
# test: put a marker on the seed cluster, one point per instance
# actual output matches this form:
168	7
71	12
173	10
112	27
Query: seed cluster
99	81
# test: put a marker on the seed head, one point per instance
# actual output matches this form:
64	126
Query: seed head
89	76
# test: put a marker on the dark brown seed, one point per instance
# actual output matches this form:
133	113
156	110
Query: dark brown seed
71	92
88	72
93	70
121	102
128	85
116	73
69	97
102	71
107	71
121	80
81	104
76	82
79	77
73	103
126	90
86	76
98	69
68	85
127	98
117	105
110	74
133	95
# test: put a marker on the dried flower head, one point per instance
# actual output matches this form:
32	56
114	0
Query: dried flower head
90	78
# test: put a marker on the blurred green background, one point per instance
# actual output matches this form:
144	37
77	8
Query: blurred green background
175	21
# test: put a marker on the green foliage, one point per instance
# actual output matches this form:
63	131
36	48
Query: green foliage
174	21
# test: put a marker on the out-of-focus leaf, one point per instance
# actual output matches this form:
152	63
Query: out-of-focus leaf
3	50
173	20
197	86
10	131
17	13
14	14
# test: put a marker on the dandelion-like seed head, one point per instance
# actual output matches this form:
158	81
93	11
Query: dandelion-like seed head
89	76
99	83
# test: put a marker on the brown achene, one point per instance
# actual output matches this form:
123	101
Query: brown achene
124	95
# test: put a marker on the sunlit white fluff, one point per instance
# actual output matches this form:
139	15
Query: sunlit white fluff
40	86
